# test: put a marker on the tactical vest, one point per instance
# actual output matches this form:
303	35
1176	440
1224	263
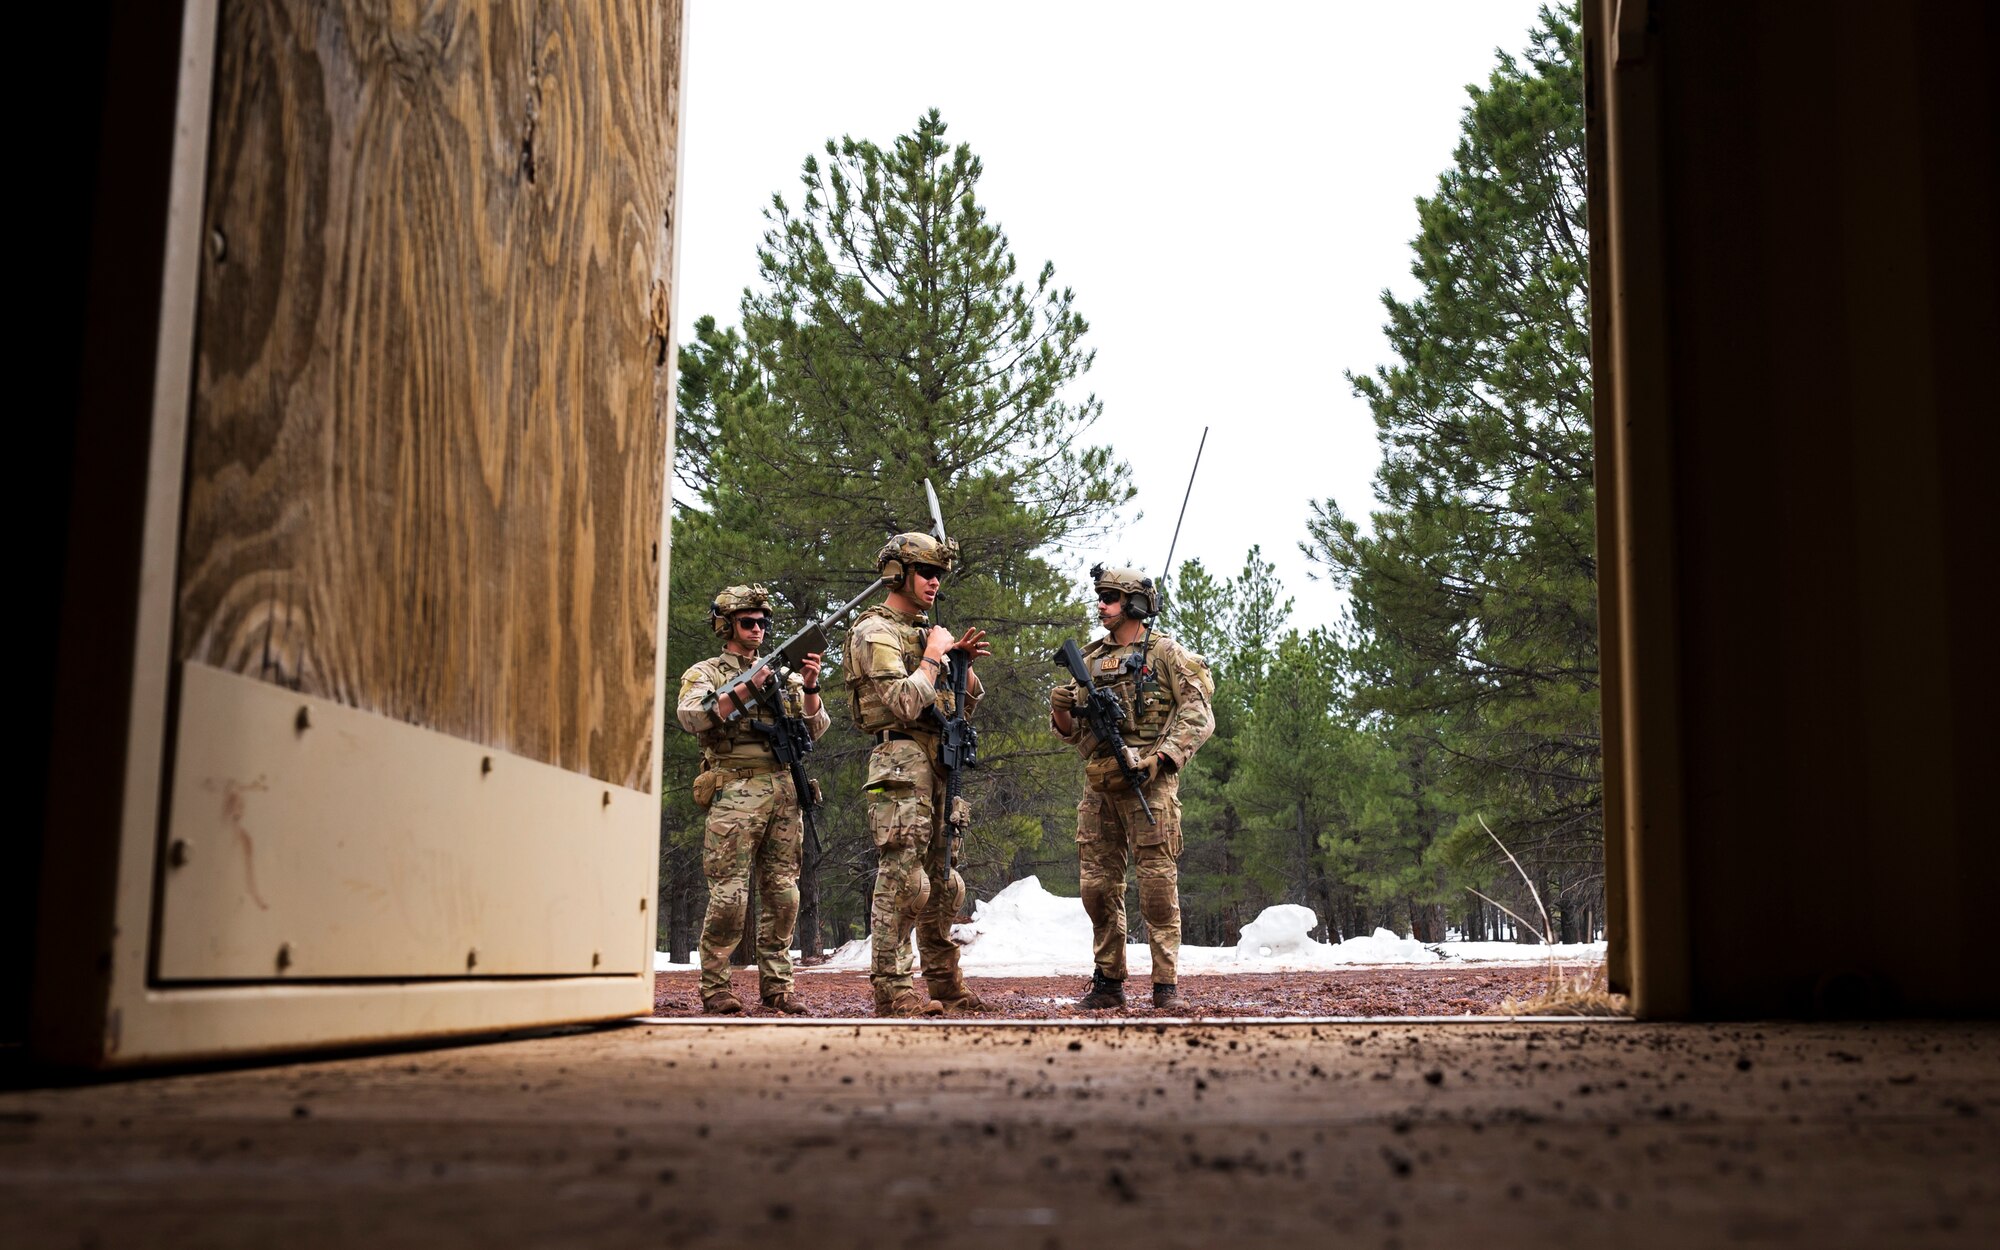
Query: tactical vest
734	742
871	714
1109	670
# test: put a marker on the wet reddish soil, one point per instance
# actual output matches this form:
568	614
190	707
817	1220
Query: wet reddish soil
1419	991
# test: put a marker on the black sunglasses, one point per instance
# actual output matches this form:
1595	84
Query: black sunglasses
1110	596
753	622
929	571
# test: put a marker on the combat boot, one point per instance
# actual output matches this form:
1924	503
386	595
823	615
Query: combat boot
1165	996
1104	992
904	1002
785	1001
956	997
721	1003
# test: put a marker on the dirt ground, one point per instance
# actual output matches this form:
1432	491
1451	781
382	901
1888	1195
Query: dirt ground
1407	991
1089	1136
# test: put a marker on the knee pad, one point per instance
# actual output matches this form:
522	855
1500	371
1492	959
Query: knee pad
915	893
948	894
1158	903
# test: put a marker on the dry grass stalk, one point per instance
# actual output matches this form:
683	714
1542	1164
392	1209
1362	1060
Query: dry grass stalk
1566	992
1585	993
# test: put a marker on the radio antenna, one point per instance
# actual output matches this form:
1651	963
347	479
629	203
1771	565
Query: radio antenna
1159	598
1168	569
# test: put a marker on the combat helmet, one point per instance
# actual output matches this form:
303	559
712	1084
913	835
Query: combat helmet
1140	601
905	550
734	599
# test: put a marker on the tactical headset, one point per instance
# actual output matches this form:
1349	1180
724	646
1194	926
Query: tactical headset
718	616
1140	603
892	564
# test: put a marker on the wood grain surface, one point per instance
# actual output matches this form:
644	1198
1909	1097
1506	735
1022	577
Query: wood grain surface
432	405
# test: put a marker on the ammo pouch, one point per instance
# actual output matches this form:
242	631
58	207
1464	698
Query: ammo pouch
895	765
706	782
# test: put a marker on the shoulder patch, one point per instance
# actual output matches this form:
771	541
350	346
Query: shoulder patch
884	658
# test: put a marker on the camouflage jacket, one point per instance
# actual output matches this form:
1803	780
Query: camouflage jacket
1177	715
734	742
889	685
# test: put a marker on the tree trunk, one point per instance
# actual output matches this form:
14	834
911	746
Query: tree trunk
1426	921
680	895
1304	847
1325	891
1364	921
1234	910
808	935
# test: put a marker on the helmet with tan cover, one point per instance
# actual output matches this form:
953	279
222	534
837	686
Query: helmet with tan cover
905	551
734	599
1137	588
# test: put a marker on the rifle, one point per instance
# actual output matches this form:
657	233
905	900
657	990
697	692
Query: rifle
1103	711
790	738
958	741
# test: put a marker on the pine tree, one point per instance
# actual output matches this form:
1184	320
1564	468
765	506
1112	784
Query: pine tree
1235	625
1476	591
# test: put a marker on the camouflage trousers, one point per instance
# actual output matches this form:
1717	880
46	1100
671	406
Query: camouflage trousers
916	889
754	821
1111	831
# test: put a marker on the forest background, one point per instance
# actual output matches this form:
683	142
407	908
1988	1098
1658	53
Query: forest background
1357	763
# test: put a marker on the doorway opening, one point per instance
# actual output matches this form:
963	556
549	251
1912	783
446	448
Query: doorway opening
1405	772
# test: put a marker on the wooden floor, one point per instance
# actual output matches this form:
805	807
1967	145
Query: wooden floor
1377	1135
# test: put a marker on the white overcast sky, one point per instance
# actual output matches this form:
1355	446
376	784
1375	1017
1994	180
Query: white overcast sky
1227	189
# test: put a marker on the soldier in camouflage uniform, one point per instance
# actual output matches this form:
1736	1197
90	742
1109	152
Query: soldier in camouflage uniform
894	659
1166	691
753	808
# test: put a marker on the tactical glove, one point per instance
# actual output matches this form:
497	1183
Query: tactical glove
1064	697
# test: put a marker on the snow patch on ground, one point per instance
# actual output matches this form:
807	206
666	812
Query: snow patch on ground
1026	931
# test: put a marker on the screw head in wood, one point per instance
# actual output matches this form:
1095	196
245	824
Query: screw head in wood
303	721
284	956
472	959
177	854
